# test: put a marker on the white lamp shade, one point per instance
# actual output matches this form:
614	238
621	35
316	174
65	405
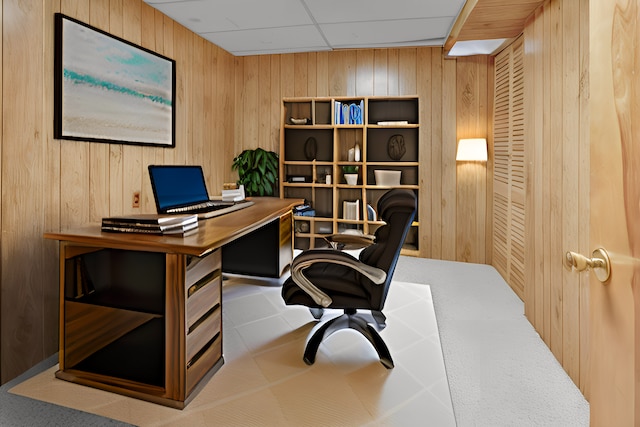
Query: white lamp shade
472	150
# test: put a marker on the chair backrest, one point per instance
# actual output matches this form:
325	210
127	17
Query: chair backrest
397	208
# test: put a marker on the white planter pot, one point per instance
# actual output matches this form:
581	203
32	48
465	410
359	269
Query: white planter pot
351	178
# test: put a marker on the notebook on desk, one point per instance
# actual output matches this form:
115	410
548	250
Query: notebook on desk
179	189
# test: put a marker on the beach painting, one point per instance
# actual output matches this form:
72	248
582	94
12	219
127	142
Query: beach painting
110	90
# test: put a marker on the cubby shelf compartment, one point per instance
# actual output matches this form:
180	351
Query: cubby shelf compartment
309	152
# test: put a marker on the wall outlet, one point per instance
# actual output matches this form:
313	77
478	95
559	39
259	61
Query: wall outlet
136	199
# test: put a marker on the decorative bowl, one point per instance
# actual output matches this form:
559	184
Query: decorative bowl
302	121
387	178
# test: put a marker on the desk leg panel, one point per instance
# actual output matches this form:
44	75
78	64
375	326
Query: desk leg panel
175	327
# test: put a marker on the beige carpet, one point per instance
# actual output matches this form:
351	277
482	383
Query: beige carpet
264	381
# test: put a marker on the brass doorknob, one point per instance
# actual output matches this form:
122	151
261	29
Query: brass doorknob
599	263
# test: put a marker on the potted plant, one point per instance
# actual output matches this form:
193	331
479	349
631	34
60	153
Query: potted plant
350	173
257	171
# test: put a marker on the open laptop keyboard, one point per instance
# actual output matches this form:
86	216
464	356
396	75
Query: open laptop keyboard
212	208
201	207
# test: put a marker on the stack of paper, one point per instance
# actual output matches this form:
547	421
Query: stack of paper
233	195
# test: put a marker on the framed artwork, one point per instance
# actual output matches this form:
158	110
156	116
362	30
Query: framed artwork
110	90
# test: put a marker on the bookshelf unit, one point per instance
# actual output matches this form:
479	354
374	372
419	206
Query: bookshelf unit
316	140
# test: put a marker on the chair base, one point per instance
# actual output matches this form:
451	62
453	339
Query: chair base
353	320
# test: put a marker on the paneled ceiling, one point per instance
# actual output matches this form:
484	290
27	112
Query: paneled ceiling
253	27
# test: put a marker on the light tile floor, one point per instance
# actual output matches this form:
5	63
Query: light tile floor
264	381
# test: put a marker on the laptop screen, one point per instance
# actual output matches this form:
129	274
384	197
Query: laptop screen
175	185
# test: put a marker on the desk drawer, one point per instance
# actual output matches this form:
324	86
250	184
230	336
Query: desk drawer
199	267
203	331
203	298
204	363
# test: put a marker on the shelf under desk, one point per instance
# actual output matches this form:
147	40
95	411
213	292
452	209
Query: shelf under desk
141	315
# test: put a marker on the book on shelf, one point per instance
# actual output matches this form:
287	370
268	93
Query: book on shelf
338	113
351	210
151	224
393	123
349	113
304	210
84	284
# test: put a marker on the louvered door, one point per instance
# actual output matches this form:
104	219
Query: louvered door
509	173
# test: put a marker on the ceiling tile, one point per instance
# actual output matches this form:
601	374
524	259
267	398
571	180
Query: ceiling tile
429	32
271	40
228	15
335	11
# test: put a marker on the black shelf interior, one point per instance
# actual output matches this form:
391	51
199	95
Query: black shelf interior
324	202
323	113
308	144
137	356
378	139
393	110
131	280
298	193
409	175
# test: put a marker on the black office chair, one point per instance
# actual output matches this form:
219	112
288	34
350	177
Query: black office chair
330	278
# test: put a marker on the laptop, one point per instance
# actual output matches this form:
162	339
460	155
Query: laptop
180	189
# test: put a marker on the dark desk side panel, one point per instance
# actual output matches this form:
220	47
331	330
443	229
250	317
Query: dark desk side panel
256	254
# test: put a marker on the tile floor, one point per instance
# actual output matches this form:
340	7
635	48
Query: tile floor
264	381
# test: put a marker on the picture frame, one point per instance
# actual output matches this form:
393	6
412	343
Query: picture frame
110	90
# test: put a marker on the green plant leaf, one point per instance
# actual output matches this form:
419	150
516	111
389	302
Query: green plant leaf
269	176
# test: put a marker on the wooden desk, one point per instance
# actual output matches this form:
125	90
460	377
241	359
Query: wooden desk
141	315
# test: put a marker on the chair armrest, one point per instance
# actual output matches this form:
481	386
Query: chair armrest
308	258
350	241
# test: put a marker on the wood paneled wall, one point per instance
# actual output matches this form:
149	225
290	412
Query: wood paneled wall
49	184
224	104
474	179
557	175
